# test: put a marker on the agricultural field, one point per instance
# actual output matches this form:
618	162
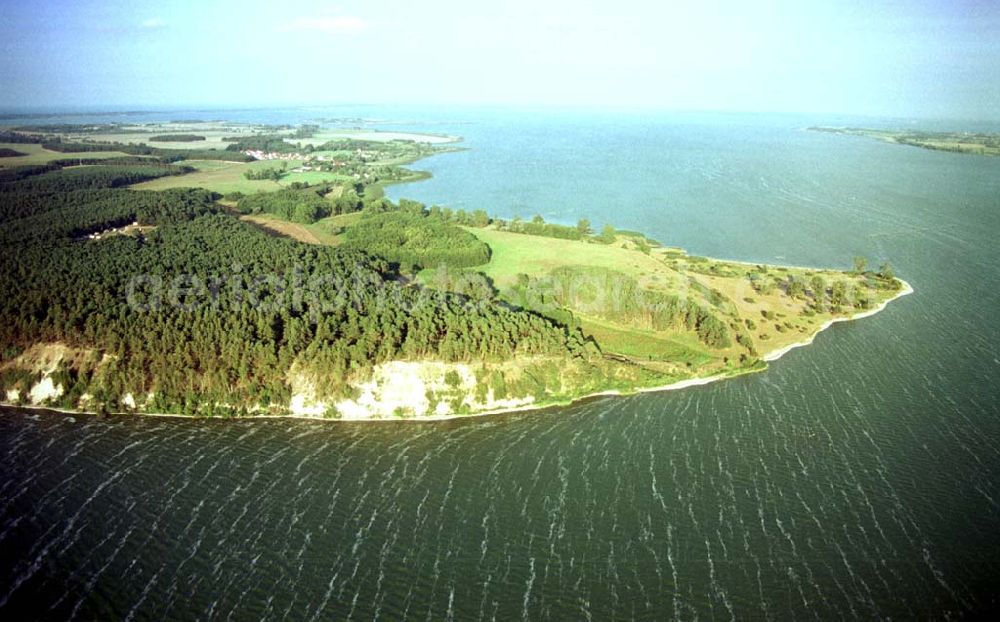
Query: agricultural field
136	134
215	175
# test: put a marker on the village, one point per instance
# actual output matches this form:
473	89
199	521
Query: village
309	161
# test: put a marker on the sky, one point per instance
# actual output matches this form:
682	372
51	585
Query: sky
903	58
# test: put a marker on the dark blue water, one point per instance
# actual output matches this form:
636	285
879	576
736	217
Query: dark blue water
858	477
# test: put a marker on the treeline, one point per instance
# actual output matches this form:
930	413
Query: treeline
477	218
582	231
10	153
176	138
221	312
415	240
19	138
538	226
104	161
272	173
15	173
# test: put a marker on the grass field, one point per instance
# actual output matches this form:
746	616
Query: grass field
226	177
217	176
36	155
516	253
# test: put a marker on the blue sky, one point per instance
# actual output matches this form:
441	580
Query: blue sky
882	57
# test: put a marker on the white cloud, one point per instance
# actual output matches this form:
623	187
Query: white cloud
324	24
153	23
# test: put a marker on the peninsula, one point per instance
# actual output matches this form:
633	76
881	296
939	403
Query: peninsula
958	142
236	270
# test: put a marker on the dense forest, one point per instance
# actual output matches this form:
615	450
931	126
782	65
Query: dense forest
55	180
295	204
270	143
207	313
416	240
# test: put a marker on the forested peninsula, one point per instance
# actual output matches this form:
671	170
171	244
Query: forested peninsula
260	271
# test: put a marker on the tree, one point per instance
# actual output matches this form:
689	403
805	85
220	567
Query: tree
411	207
796	288
306	213
608	234
583	226
818	285
480	218
838	294
475	286
538	220
860	263
886	272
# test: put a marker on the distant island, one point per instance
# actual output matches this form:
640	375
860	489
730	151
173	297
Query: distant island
251	270
958	142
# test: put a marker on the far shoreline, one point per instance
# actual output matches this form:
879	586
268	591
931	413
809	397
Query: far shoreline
769	357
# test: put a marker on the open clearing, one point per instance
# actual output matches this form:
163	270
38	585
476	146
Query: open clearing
275	225
215	175
517	253
225	177
324	231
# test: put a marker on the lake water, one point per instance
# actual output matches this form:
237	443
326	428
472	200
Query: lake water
858	477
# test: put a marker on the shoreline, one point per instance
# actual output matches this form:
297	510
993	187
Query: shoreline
673	386
774	355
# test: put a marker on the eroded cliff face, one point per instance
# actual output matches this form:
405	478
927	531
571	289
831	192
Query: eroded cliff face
412	389
415	389
35	384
